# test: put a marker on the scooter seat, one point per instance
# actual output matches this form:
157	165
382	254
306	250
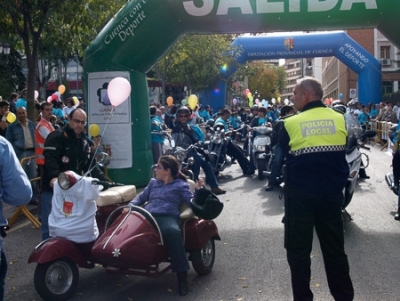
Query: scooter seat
116	195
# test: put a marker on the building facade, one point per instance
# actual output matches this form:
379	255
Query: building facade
339	80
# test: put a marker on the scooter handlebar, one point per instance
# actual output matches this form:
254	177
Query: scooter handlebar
106	184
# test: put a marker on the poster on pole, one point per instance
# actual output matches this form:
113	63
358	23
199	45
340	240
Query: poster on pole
114	122
353	93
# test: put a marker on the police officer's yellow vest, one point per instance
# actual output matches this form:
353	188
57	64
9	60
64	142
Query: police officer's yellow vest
316	130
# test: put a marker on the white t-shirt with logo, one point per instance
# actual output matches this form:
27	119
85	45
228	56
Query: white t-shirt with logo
73	212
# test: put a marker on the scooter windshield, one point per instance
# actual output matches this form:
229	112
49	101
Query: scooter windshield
354	131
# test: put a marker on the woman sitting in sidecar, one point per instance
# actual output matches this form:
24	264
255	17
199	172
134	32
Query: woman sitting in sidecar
164	196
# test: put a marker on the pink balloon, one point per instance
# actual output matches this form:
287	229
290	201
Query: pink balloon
234	101
49	99
257	100
118	90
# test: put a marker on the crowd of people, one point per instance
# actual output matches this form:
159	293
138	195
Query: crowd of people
58	141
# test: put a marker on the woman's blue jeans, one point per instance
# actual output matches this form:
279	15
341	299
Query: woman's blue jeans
172	235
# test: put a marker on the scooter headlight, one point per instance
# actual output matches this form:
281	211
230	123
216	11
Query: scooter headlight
66	180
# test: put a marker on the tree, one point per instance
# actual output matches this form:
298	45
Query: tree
266	80
65	32
195	61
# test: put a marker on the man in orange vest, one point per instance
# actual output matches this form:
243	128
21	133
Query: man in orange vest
43	128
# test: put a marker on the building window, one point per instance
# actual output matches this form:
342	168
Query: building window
385	52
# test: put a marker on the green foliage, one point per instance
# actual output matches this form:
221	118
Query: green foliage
195	61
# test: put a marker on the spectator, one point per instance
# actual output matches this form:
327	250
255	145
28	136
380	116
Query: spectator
21	135
43	129
4	109
15	190
13	101
22	102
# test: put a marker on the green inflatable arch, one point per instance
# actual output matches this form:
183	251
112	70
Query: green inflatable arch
143	30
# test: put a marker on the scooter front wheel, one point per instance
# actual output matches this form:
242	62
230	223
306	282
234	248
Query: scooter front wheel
203	259
56	280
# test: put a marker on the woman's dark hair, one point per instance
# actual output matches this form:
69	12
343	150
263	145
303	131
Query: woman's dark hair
172	163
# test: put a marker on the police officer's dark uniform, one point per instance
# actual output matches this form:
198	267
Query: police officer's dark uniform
314	143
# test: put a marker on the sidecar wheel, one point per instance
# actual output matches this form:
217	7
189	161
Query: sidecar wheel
203	259
56	280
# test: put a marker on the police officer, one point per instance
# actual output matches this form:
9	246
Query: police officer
65	150
314	143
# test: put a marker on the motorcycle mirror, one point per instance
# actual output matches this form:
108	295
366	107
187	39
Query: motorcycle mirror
66	180
103	159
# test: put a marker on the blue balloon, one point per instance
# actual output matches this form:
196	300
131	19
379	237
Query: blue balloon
341	95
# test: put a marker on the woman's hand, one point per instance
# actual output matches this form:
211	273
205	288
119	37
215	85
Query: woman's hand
125	210
199	184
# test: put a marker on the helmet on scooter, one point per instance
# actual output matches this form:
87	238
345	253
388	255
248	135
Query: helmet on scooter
206	205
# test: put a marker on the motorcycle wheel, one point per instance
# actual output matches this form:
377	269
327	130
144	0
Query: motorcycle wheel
214	163
262	166
203	259
56	280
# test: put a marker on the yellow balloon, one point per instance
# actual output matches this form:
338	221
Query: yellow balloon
76	100
11	117
192	101
94	130
61	89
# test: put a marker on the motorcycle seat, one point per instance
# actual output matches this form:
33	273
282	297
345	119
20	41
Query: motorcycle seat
116	195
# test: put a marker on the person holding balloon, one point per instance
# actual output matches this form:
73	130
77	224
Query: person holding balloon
65	150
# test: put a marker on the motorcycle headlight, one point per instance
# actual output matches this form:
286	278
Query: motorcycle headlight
180	154
190	161
260	148
217	139
66	180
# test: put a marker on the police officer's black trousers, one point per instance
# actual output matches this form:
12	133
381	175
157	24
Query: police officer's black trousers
305	211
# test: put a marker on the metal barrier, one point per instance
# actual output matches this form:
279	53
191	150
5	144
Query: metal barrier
24	209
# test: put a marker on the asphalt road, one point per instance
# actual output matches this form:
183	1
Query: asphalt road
250	260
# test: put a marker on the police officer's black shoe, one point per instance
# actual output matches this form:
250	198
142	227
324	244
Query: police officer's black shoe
269	187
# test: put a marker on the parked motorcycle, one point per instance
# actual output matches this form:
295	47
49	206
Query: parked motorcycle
355	158
216	147
186	162
260	149
129	243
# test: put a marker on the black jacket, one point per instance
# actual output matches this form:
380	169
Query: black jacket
64	151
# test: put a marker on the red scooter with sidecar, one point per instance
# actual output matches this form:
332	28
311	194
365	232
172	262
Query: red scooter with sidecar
128	243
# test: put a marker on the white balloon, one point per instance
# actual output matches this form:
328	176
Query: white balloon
36	94
286	101
118	90
273	100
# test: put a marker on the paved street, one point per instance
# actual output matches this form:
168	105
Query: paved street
250	260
